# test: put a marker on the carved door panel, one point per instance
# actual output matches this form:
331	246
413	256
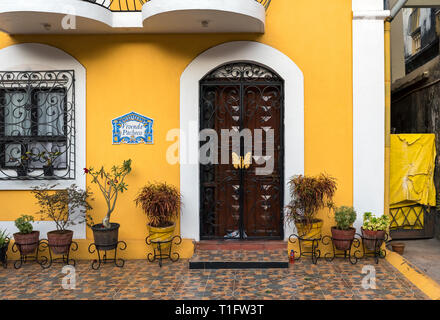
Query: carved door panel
241	195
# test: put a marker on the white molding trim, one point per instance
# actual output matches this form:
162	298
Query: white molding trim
37	57
379	15
189	119
368	107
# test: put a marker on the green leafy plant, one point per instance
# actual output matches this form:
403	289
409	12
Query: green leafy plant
23	224
65	207
375	223
160	202
345	217
49	156
24	160
309	195
4	238
26	157
111	183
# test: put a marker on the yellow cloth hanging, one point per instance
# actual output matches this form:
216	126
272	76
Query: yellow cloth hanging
412	177
412	169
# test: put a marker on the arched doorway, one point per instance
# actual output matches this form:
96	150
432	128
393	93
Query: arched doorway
241	192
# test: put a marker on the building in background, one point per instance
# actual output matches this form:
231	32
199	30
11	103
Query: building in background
416	86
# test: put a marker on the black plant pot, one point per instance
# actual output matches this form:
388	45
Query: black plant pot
3	256
106	239
48	171
22	171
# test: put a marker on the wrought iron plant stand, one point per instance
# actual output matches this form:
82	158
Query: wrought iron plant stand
24	258
64	259
314	252
96	264
377	252
351	254
4	254
163	249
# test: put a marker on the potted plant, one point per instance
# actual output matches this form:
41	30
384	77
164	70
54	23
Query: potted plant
343	233
4	244
309	195
23	167
111	183
26	239
161	203
374	229
49	157
66	208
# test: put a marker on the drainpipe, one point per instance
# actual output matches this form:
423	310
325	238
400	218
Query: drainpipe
387	37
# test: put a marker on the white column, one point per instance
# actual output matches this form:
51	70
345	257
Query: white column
368	107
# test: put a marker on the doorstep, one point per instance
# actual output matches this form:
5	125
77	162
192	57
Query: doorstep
241	245
239	259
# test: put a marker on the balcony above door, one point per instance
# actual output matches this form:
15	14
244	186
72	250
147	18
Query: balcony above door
132	16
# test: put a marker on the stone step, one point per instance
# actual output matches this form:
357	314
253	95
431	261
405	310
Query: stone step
240	245
239	259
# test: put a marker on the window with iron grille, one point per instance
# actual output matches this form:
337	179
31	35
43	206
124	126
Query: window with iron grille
37	125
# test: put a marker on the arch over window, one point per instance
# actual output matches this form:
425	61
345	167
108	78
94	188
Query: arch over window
37	64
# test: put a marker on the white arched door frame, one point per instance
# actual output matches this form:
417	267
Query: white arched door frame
236	51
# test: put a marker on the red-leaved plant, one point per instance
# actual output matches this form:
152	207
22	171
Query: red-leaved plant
309	194
160	202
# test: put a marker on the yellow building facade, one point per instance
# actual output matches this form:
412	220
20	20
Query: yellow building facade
155	74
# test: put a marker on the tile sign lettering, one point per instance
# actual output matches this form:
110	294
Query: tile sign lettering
132	128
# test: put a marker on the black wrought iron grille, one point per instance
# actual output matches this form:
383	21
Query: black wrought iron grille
236	203
37	125
409	218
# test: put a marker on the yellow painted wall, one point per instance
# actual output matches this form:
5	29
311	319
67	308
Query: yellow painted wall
141	73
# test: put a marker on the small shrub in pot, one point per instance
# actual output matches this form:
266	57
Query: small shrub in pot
309	195
26	239
111	184
66	207
161	204
343	233
374	230
49	158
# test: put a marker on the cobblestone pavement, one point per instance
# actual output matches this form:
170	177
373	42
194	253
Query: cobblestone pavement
140	279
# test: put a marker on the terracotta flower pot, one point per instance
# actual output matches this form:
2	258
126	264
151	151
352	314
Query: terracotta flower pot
373	239
398	247
60	241
27	242
342	239
106	239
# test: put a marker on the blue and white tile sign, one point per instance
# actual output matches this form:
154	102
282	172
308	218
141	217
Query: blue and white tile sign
132	128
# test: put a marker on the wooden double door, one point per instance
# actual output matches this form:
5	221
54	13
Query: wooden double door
241	192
